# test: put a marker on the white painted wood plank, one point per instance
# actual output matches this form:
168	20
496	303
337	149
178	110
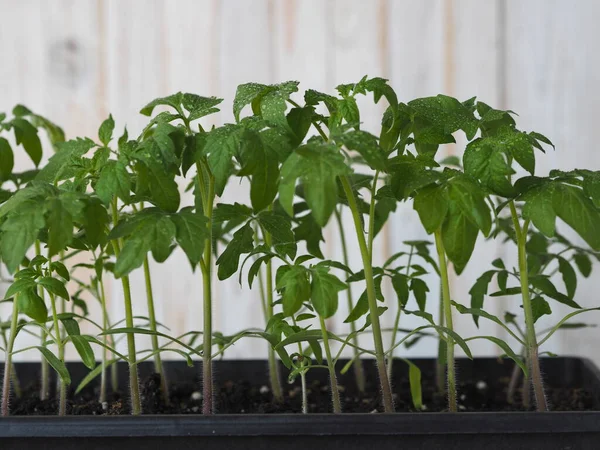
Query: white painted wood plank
552	73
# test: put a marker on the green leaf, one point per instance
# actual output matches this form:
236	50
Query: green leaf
296	289
568	275
242	242
261	162
400	285
27	135
419	289
471	201
481	313
324	291
300	121
96	222
222	144
225	212
578	211
280	228
133	253
192	232
164	191
105	132
539	208
479	291
32	305
19	232
66	160
54	287
163	234
7	161
60	226
539	307
85	351
366	144
432	205
57	365
484	162
60	269
414	378
509	351
198	106
172	100
114	181
459	235
309	231
269	101
317	165
546	286
583	263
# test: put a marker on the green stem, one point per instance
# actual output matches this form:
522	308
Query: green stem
531	338
62	399
390	363
105	326
158	365
302	375
208	199
359	370
274	375
371	234
451	374
440	366
335	393
8	359
386	389
134	384
45	367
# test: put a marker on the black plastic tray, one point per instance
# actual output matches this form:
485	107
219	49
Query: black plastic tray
464	431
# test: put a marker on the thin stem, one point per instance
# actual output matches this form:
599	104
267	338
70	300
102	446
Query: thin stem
62	400
105	326
531	338
451	375
158	365
514	380
273	366
8	359
440	367
302	375
45	367
390	362
134	384
207	379
371	234
335	393
386	389
357	365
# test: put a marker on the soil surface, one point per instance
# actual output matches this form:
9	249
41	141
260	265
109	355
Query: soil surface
240	397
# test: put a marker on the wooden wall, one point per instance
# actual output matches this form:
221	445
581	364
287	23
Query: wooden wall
77	60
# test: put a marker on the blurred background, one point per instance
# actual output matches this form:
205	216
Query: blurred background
76	61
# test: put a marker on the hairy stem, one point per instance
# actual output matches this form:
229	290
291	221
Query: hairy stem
105	326
357	365
45	367
274	375
531	338
134	384
208	199
440	363
158	365
390	363
62	386
386	388
451	373
335	393
8	359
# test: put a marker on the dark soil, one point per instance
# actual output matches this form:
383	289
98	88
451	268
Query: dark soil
240	397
